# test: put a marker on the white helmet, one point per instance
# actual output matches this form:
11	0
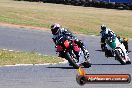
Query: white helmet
103	27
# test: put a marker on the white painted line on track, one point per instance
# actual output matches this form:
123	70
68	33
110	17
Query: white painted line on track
64	62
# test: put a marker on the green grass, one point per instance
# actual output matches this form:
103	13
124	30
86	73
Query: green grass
85	20
12	58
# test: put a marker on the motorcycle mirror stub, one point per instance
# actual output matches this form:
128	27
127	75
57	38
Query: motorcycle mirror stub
82	78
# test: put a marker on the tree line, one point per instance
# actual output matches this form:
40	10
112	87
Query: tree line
89	3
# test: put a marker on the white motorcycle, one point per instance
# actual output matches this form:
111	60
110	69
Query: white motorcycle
116	49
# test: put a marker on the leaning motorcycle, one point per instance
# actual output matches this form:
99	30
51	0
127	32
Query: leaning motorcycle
69	50
117	50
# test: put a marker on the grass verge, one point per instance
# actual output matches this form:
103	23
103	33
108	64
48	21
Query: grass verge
12	58
85	20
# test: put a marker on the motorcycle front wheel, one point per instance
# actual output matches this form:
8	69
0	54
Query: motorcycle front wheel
120	58
72	60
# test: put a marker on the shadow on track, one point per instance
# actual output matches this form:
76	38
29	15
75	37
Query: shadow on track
83	67
61	67
99	50
106	64
129	51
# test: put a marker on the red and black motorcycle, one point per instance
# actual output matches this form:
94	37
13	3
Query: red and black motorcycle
69	50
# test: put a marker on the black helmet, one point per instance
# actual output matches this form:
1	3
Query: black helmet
103	27
55	28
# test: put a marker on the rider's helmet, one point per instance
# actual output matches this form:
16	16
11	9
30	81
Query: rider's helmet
103	27
55	28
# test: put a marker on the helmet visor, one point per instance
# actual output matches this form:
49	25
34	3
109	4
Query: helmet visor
55	30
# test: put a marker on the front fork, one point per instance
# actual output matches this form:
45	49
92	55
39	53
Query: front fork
123	53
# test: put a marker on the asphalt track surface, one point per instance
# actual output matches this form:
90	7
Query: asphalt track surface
54	76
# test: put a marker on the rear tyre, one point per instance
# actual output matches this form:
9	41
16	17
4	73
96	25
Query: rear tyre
119	58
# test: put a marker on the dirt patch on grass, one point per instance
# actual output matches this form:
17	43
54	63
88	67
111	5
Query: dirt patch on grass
30	27
78	19
23	26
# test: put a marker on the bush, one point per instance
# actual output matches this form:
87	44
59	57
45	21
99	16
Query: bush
94	3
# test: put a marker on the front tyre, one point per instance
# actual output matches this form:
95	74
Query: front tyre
72	60
120	58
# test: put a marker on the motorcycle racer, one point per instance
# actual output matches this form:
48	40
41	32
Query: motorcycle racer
107	33
58	31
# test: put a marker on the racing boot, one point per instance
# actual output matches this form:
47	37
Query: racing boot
81	59
86	53
84	61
